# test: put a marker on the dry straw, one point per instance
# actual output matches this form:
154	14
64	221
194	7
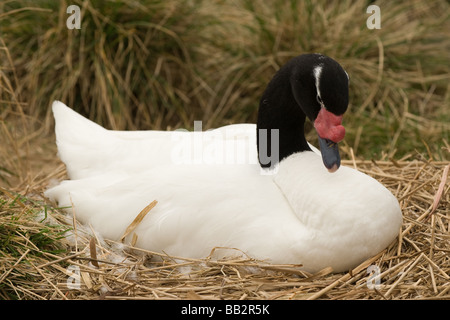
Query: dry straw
415	266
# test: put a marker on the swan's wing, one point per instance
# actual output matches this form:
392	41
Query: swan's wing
199	208
88	149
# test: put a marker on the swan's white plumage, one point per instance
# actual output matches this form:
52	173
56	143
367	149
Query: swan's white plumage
302	214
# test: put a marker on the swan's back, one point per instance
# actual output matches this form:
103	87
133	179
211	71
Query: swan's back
88	149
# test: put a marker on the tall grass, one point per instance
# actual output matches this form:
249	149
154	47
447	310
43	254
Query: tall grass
160	64
128	66
399	74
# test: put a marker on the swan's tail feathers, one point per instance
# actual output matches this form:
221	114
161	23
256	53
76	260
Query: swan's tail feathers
68	120
78	139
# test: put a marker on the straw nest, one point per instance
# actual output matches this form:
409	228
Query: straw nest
45	256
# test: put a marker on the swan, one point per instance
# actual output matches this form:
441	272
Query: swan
260	188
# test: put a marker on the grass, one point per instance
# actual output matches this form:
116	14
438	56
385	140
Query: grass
164	64
27	240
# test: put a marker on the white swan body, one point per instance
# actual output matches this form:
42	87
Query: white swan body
299	214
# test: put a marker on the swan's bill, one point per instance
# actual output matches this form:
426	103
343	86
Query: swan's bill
330	154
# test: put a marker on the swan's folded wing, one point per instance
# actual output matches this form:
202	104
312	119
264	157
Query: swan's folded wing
88	149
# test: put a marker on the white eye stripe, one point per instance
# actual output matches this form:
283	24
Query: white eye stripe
317	72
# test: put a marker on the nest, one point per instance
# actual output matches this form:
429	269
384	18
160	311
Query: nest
39	260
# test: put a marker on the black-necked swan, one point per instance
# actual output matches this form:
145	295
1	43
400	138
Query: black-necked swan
290	205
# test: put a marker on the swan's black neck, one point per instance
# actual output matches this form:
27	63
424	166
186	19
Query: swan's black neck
279	111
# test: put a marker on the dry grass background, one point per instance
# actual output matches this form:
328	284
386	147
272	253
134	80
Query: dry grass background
164	64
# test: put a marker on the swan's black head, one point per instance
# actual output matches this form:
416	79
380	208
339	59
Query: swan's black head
310	85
